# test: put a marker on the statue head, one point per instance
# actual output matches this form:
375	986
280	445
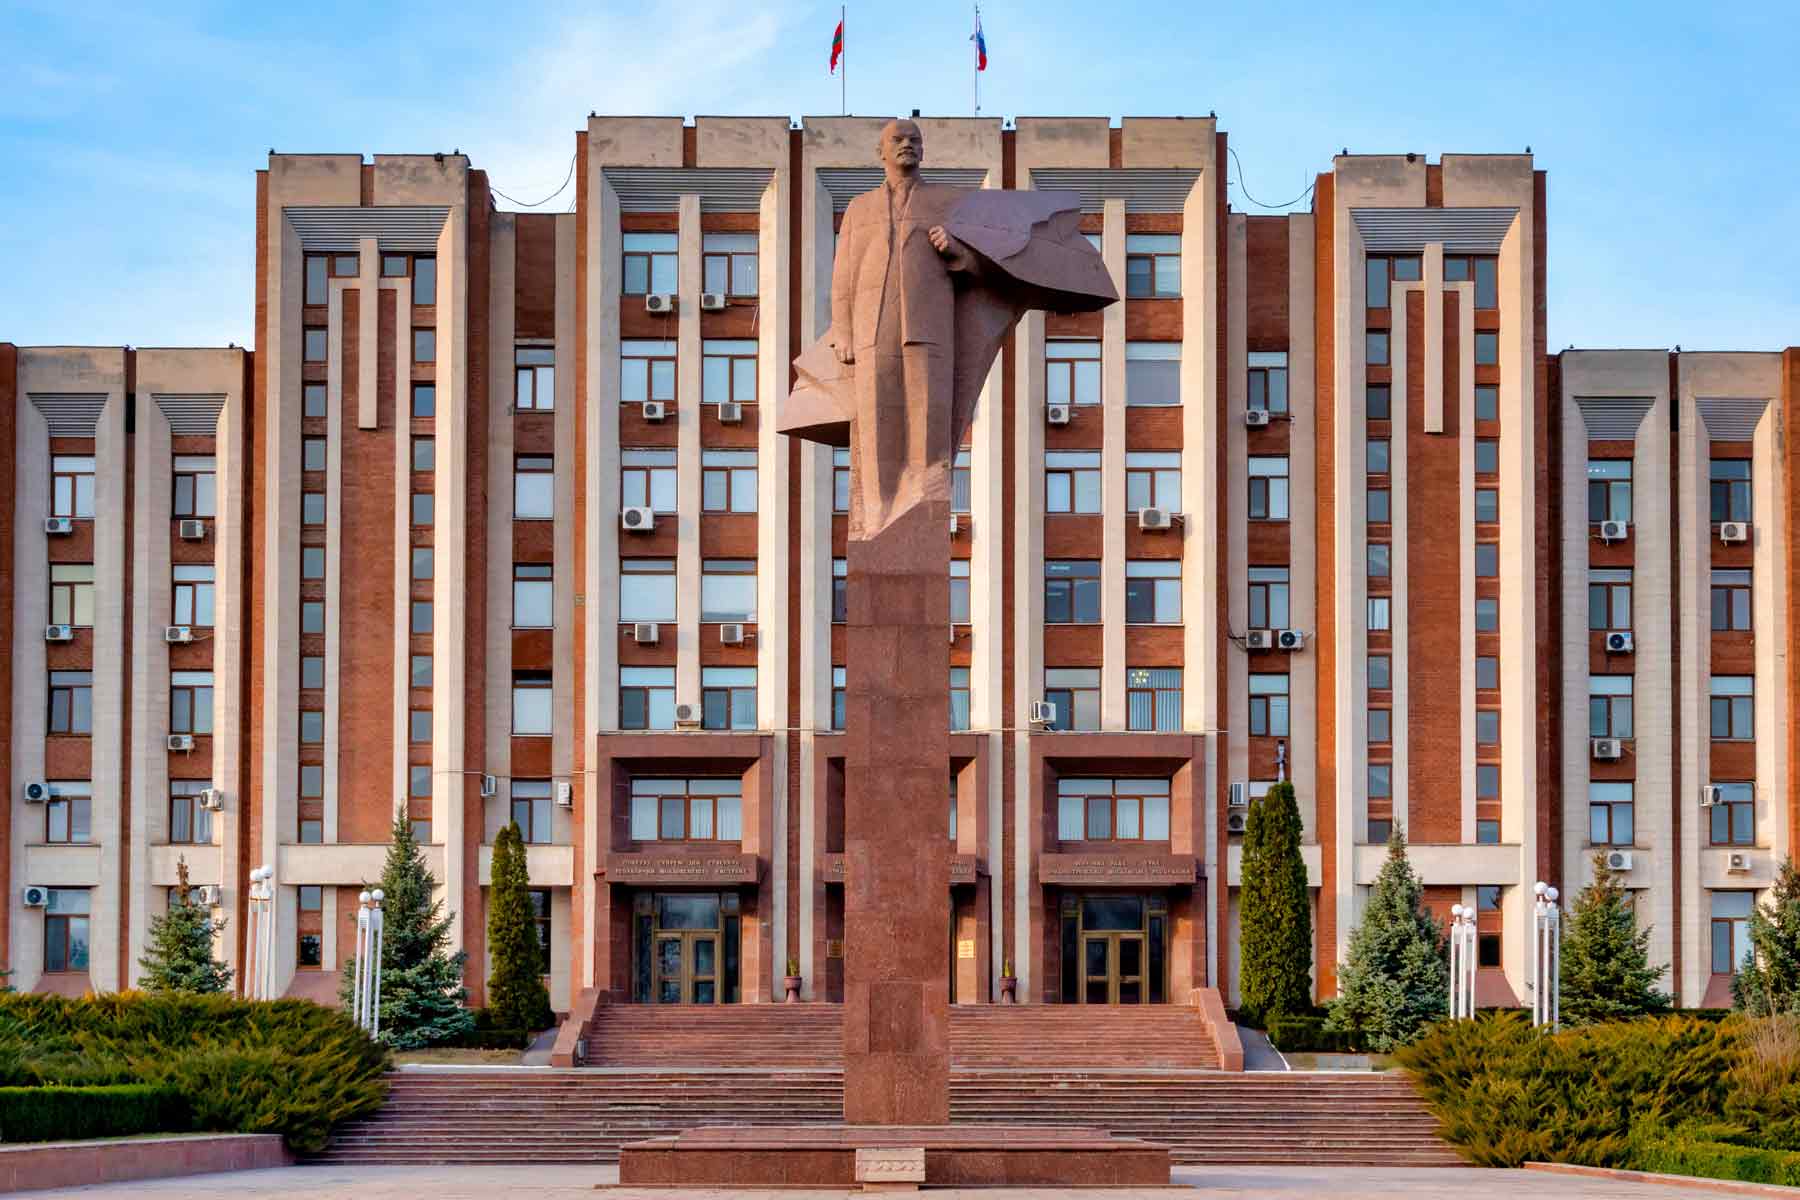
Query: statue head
902	148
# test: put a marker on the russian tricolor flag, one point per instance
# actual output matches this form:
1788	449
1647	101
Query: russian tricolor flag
980	42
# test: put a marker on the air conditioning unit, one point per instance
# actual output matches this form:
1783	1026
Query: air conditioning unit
1259	639
1614	531
181	741
712	301
1738	863
1256	418
1042	712
1620	642
1239	796
192	531
59	633
36	792
659	302
490	786
178	633
1734	531
36	896
1290	639
731	413
956	523
637	519
1237	822
212	800
655	411
1059	414
687	716
565	794
1618	860
207	895
1607	749
731	633
646	633
58	526
1155	518
1711	796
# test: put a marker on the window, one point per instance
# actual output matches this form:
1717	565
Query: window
312	727
424	561
840	480
959	591
1487	456
959	698
418	727
312	781
728	481
1487	781
1487	833
1487	897
1072	481
1487	349
728	371
1268	705
840	591
728	589
191	702
1381	726
646	371
1377	460
1268	381
531	703
71	486
313	344
1487	403
312	671
1071	371
839	701
1269	598
962	484
534	378
1730	600
646	697
530	810
1487	950
72	594
318	271
1733	707
193	589
1381	667
1071	593
1487	614
1381	781
534	487
424	280
309	946
1074	695
1376	347
312	508
71	702
1731	949
1102	810
648	262
1268	488
312	454
424	401
1483	269
1153	479
69	812
1152	265
196	486
1487	727
1609	598
1487	505
420	670
647	480
533	589
1381	613
1380	506
1380	557
424	454
1378	831
687	810
1153	699
1609	812
646	589
540	919
1385	268
1609	490
424	509
728	697
1487	671
1731	489
421	617
312	616
312	400
66	930
189	824
421	831
1153	592
1734	816
424	345
728	264
1378	402
1487	560
1153	374
1609	706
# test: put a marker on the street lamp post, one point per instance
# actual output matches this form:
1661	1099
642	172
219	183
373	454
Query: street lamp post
1546	957
367	990
258	952
1462	961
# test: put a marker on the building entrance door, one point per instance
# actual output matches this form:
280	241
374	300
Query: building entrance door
1112	968
687	948
1114	949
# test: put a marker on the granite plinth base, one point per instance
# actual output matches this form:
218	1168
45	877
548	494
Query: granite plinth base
955	1156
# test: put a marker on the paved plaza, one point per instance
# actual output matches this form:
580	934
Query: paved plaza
567	1183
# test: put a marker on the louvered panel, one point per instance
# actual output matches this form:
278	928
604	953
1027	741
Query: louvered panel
847	183
1732	419
400	227
1407	230
1613	418
1144	190
70	414
192	416
659	189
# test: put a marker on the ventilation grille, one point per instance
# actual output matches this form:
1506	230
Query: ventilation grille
1613	418
1732	420
847	183
399	227
659	189
70	415
1144	190
191	416
1407	230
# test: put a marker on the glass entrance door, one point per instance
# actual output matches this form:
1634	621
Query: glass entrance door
1112	968
687	968
686	948
1114	949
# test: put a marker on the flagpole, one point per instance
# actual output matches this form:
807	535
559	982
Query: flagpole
975	61
844	64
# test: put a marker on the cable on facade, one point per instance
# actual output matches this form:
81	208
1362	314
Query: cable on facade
1253	199
546	199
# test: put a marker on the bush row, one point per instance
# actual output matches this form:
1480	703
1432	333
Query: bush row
1297	1034
1718	1160
49	1114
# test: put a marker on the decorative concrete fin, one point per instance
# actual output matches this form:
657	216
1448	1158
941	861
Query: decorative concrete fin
74	415
1407	230
192	416
394	227
1143	189
1613	418
1732	420
659	189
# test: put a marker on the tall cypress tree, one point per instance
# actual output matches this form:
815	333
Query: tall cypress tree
1606	971
1396	978
517	998
1771	984
1275	913
180	955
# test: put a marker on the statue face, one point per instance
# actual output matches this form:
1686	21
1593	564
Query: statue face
902	146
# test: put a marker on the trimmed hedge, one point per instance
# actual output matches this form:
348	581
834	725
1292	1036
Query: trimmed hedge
54	1114
494	1039
1298	1034
1718	1160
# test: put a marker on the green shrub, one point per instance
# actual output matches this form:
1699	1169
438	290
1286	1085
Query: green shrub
1717	1160
1763	1100
52	1114
1275	973
495	1039
1306	1032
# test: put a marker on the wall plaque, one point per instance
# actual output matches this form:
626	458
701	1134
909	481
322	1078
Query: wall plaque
1123	868
698	867
965	948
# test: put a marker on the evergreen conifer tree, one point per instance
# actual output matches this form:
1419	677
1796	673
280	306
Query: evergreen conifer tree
1275	912
517	998
1771	984
1606	971
1396	978
180	955
422	993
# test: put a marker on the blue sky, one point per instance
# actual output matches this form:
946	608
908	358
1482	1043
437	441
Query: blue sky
131	134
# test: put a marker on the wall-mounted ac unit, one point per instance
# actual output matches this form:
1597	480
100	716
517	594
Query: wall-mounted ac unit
1059	414
565	794
1237	822
959	522
731	413
1711	796
192	531
212	800
637	519
1259	639
490	786
36	791
1614	531
1042	712
712	301
1738	863
1734	531
35	895
646	633
1155	518
687	716
659	302
59	633
731	633
1620	641
1618	860
655	410
1290	639
181	741
178	633
58	526
1256	418
1239	796
1607	749
207	895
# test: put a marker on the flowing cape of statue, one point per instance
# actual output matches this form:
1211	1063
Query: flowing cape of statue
1032	256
